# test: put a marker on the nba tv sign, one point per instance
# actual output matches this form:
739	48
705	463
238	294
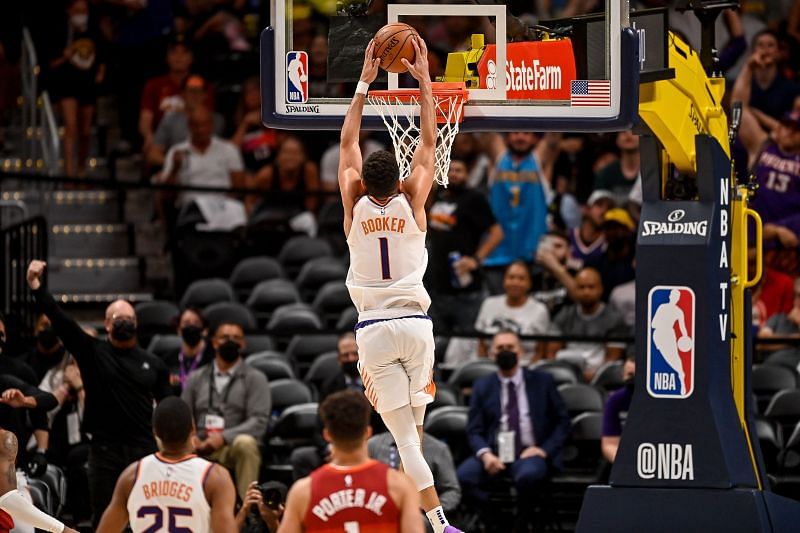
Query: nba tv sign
296	77
670	342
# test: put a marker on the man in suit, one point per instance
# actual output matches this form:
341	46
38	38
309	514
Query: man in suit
523	408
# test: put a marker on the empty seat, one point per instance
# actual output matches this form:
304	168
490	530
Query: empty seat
156	317
331	299
297	250
305	348
41	495
788	357
274	368
769	441
331	217
464	376
258	343
609	376
561	371
316	273
348	319
784	410
449	424
580	398
57	482
766	380
251	271
205	292
161	345
298	424
293	318
267	296
233	312
324	366
445	397
288	392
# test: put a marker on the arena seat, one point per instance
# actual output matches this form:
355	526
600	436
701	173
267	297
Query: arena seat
269	295
449	424
251	271
161	345
609	376
324	366
298	424
288	392
274	368
788	357
297	250
766	380
305	348
257	343
315	273
204	292
445	397
465	375
580	398
561	371
769	441
289	319
784	410
348	319
331	299
155	317
57	481
41	495
229	312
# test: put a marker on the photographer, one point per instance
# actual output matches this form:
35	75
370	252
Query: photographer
262	509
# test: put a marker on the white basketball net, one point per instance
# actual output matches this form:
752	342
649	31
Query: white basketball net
398	115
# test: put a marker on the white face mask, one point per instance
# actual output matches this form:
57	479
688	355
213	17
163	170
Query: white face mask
79	21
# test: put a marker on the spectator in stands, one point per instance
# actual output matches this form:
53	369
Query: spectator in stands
460	221
163	93
623	299
784	324
616	411
256	143
761	86
348	376
589	316
772	294
518	200
383	448
329	164
122	382
174	126
620	175
529	404
516	311
587	243
195	352
553	275
47	352
231	405
286	182
13	366
73	83
202	161
467	148
563	211
616	263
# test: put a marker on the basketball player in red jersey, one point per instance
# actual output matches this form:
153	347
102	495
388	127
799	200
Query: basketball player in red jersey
13	505
352	493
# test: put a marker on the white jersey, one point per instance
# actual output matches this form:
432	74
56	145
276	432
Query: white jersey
169	495
387	259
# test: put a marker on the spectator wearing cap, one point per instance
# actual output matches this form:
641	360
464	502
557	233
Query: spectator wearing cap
619	176
589	317
616	263
195	351
174	126
587	242
616	411
231	405
163	93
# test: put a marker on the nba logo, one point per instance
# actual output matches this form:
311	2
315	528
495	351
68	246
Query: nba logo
296	77
670	342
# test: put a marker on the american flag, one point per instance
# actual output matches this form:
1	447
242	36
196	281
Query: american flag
590	93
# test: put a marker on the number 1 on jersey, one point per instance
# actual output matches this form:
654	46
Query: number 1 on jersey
384	244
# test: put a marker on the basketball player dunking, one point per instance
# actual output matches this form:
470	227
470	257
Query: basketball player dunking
14	506
172	490
385	226
352	493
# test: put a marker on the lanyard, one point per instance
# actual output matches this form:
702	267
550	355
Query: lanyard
184	374
212	388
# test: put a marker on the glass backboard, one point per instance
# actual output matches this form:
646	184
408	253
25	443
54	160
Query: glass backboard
570	74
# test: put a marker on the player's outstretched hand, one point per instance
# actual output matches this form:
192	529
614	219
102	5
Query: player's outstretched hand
371	63
419	68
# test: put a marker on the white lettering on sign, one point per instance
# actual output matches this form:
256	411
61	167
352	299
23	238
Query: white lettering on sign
537	77
667	461
674	228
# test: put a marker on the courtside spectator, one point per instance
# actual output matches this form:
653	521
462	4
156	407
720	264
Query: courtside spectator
122	382
195	351
616	411
231	405
348	376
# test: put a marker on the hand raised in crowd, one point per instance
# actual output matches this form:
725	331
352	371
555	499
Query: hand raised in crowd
14	398
35	273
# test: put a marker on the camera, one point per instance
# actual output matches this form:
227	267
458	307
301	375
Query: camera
273	493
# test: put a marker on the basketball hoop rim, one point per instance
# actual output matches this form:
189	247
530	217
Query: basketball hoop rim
454	93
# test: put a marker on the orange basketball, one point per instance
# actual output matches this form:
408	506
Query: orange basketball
393	42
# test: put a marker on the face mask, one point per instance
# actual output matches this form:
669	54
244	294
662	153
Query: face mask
47	338
123	330
506	360
192	335
350	368
79	21
229	351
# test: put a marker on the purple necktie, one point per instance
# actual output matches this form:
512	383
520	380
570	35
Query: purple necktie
512	412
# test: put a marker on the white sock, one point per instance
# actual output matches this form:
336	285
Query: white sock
437	519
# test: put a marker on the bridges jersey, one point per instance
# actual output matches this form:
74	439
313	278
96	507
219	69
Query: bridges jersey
170	496
387	258
351	500
778	178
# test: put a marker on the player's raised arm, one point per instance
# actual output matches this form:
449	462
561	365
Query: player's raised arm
349	149
419	183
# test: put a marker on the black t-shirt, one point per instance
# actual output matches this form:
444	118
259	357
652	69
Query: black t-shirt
776	99
16	420
12	366
457	221
120	385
